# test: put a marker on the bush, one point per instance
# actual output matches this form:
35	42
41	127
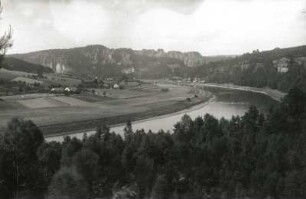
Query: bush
164	89
67	184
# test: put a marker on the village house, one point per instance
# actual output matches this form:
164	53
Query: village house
128	70
71	89
57	90
129	84
195	80
108	83
109	79
301	61
244	66
116	86
282	65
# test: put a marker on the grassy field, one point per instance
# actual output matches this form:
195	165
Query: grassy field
57	114
62	80
50	78
9	105
10	74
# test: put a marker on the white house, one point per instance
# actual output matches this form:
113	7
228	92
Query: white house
116	86
57	90
282	65
301	61
70	89
129	70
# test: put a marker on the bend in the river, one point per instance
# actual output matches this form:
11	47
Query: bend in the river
225	103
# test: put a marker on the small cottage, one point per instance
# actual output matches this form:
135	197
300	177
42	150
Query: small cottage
282	65
71	89
116	86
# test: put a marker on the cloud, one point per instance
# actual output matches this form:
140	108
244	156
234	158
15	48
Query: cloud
80	20
223	26
210	26
183	6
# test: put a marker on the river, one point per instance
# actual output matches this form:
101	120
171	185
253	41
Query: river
225	103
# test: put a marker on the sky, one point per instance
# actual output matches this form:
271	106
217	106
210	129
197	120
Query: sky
211	27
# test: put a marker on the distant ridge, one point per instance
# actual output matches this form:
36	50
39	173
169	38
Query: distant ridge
102	61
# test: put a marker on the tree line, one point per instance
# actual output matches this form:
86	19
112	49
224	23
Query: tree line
254	156
257	70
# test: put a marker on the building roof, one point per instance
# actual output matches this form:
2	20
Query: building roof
71	89
57	89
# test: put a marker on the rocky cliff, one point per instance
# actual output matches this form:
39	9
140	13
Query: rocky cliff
98	59
190	59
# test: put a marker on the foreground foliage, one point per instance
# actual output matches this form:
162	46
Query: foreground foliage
253	156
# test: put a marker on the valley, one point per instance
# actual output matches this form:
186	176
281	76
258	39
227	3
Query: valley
58	113
67	90
152	99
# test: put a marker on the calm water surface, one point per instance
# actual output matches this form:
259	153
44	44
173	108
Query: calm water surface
225	104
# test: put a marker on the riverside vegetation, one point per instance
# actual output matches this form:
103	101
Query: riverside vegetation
253	156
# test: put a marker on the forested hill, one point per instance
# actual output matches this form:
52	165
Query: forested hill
98	60
11	63
279	69
253	156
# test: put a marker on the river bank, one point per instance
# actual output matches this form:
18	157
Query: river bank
225	103
118	127
160	108
165	118
58	114
274	94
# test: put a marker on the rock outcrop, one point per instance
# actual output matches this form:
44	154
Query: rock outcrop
98	59
190	59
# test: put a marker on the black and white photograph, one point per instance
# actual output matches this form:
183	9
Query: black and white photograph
152	99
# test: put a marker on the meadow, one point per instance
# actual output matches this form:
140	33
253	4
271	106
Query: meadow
57	114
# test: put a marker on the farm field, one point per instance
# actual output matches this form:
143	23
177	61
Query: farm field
50	78
62	80
10	74
70	113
